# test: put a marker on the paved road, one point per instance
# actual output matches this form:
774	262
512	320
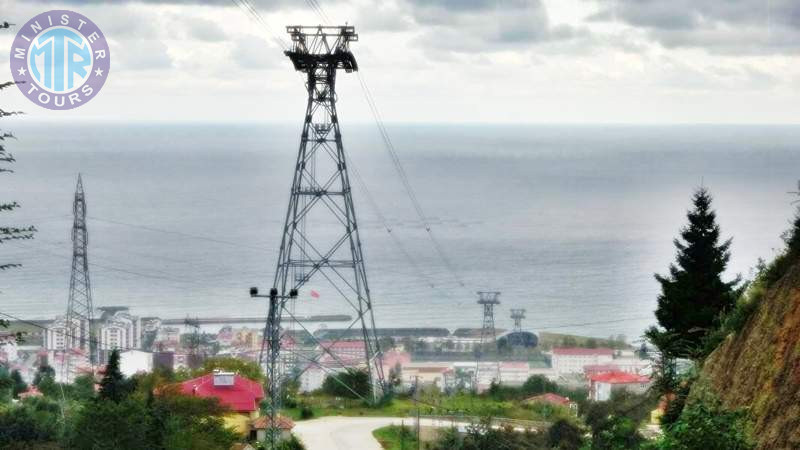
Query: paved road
349	433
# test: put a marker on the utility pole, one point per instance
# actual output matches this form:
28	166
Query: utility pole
416	400
272	337
79	333
487	299
194	341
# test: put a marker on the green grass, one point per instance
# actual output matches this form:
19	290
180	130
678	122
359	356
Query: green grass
430	404
396	437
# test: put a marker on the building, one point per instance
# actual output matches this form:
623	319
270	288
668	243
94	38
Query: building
347	352
241	395
571	360
132	362
259	427
58	334
118	329
425	373
514	373
9	349
603	384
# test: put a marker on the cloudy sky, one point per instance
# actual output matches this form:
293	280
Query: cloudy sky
540	61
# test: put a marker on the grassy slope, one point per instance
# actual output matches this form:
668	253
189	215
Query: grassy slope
462	403
394	438
759	367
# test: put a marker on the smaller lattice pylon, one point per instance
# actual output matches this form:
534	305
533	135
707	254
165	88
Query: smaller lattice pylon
517	315
487	299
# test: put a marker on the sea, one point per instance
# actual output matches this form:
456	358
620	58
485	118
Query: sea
569	222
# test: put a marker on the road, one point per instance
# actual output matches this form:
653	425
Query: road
349	433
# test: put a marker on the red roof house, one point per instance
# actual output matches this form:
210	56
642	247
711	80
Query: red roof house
603	383
238	393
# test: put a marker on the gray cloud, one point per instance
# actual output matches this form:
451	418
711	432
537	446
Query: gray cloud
477	26
720	26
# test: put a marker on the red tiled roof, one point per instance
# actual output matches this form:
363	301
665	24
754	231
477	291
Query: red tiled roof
263	422
619	378
577	351
551	398
243	396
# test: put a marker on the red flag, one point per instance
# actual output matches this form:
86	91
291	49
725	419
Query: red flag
314	294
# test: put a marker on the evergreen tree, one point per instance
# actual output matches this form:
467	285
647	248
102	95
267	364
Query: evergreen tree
19	385
113	386
693	294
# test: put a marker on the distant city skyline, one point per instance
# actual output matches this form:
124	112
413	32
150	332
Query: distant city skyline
564	61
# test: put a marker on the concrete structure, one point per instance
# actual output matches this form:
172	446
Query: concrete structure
569	360
602	385
118	329
9	349
132	362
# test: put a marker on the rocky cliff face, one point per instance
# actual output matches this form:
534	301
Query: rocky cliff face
758	369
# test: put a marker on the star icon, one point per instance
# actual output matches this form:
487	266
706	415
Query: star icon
98	72
21	71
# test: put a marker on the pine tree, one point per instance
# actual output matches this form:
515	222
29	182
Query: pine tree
113	386
693	294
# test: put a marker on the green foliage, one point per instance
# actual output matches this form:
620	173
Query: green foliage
18	386
31	424
247	369
113	386
43	372
603	416
708	427
396	437
349	384
564	435
484	437
693	295
118	424
290	444
617	433
790	256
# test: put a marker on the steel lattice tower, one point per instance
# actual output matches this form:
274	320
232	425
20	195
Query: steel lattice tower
320	234
517	315
80	336
488	299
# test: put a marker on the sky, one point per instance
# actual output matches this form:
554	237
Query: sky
447	61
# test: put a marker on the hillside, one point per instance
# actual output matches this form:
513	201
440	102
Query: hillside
758	368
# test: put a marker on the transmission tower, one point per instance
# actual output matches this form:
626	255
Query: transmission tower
193	342
320	234
80	335
517	315
488	299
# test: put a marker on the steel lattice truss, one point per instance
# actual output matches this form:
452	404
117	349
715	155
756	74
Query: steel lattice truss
488	299
320	234
79	339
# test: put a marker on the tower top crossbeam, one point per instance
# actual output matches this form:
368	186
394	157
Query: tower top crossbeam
320	46
517	313
488	297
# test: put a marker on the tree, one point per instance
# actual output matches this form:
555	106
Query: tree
618	433
247	369
113	386
349	384
19	385
564	435
9	233
706	425
44	371
693	294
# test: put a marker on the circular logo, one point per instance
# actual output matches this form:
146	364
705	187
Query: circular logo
60	59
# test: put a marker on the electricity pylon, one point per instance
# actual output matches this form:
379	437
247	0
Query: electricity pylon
80	335
320	233
517	315
487	299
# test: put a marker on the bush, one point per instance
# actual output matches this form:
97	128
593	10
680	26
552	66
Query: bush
706	426
306	412
349	384
564	435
